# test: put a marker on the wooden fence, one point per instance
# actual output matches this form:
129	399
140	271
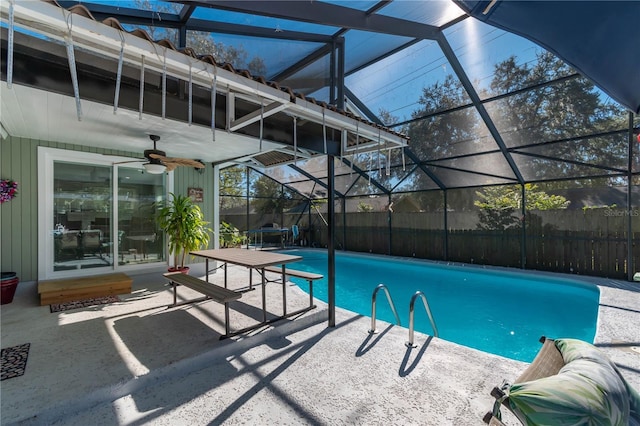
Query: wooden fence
594	244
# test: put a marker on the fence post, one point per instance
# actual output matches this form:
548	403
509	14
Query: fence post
523	242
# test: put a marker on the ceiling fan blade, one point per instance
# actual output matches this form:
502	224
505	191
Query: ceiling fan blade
178	161
170	166
157	157
186	162
131	161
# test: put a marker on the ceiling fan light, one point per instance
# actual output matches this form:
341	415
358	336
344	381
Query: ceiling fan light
154	168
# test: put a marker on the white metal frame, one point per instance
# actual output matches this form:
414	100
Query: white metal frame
46	158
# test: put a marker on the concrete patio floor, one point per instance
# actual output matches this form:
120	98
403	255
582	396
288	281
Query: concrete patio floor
136	362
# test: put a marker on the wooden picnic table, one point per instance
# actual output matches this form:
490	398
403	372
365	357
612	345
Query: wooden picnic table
252	259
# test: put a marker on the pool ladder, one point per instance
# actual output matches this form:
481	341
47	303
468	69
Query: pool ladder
425	302
417	294
373	307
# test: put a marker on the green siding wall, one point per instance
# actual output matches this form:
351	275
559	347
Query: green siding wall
189	177
19	217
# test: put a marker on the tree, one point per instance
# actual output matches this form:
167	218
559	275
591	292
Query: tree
545	121
564	110
500	206
267	196
201	42
232	187
364	207
441	136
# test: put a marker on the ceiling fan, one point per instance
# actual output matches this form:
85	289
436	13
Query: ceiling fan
158	162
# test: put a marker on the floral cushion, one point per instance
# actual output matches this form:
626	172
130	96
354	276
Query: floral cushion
588	390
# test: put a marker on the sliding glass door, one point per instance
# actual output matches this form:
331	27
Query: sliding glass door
96	215
82	219
139	238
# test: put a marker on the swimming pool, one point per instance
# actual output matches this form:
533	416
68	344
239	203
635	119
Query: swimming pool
500	312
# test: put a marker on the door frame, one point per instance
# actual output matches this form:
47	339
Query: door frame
46	158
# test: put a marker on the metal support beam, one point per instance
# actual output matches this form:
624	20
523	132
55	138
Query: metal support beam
340	87
257	115
331	250
523	242
365	175
389	225
313	178
186	12
326	14
471	91
416	160
446	224
215	206
332	75
362	107
630	215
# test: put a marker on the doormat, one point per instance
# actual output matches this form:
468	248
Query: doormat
13	361
59	307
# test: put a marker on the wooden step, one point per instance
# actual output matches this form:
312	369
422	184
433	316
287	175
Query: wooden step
80	288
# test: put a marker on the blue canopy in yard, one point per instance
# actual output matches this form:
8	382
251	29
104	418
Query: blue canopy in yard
600	39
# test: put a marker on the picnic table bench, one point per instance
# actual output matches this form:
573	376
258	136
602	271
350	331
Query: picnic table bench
211	291
309	276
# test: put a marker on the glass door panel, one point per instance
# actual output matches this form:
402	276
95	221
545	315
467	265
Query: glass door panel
82	211
139	238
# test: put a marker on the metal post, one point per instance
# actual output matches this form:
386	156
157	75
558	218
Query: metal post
446	227
264	296
216	207
282	214
344	223
523	240
390	225
337	81
331	250
226	319
284	292
332	74
247	198
630	265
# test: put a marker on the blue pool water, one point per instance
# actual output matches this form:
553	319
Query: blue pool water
503	313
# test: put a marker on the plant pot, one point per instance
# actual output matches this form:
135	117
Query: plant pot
8	286
184	269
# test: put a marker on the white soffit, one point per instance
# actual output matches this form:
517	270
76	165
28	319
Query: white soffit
36	114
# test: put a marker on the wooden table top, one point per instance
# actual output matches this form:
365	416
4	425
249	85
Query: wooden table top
248	258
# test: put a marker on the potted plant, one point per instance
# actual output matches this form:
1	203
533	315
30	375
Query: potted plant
8	285
230	236
185	228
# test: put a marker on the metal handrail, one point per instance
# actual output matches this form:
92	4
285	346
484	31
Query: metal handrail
411	312
373	307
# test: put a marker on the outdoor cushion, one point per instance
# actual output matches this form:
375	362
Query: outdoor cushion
588	390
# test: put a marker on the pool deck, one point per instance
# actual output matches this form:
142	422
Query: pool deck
137	362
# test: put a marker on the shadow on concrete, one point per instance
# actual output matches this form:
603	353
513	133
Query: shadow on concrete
162	338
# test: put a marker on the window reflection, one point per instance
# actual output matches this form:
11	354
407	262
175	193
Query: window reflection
85	234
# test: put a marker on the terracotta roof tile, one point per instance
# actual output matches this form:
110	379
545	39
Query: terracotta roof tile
138	32
113	23
166	43
81	10
209	59
189	52
227	66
